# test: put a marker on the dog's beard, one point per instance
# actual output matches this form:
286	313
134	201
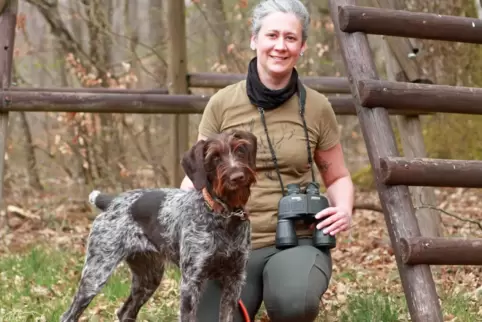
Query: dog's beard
235	196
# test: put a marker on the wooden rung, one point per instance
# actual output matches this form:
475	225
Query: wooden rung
410	24
94	102
421	97
441	251
324	84
430	172
144	102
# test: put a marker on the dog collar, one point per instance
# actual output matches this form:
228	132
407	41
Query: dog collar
210	200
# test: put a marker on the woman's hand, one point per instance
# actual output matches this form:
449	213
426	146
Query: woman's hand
336	219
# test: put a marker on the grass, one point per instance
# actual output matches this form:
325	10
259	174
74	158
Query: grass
38	285
372	307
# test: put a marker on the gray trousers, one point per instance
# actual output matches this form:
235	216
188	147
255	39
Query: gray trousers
290	282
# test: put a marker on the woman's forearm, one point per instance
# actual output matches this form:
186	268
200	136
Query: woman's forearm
341	193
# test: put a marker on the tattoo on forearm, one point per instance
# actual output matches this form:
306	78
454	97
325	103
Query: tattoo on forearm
323	166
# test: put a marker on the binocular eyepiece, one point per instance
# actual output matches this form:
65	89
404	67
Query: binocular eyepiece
299	205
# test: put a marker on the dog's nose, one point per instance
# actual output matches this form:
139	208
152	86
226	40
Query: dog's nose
236	177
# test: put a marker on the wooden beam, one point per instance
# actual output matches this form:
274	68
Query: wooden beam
417	281
323	84
138	102
8	21
342	104
431	172
441	251
103	102
2	5
90	90
402	23
420	97
177	77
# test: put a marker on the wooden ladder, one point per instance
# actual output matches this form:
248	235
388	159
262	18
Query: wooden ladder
394	174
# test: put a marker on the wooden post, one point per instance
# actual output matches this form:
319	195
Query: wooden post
400	67
2	5
8	21
417	281
177	78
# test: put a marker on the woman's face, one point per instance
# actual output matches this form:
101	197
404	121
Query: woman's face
278	44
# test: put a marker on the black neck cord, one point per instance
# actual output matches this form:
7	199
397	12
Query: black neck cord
301	100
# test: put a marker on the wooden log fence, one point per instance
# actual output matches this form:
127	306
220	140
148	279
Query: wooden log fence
441	251
177	84
402	23
423	97
8	21
431	172
322	84
27	101
132	102
325	84
372	98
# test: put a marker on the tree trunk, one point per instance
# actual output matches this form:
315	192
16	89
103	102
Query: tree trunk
478	5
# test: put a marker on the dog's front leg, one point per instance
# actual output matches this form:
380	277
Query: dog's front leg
232	286
230	295
190	295
191	287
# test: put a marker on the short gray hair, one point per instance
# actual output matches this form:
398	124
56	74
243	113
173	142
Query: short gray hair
267	7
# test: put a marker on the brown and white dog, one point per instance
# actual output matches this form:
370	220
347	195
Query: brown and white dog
204	231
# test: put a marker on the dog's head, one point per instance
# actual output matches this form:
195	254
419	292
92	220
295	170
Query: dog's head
226	161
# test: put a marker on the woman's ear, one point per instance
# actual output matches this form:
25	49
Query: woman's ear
303	47
253	42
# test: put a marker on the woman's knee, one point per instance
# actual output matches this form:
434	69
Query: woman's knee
294	281
292	306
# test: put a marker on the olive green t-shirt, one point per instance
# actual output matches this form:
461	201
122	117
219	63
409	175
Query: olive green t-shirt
230	108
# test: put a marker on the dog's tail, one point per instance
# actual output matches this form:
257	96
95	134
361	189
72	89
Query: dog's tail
100	200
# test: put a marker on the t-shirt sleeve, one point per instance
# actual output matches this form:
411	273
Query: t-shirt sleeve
329	129
210	123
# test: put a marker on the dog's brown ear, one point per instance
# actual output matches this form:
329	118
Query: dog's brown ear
193	164
252	147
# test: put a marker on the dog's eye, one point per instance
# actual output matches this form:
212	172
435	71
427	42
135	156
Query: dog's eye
240	151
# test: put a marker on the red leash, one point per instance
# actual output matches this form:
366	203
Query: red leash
244	311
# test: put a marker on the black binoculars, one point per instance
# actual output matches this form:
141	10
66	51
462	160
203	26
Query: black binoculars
298	205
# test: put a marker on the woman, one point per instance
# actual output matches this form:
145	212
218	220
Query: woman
290	281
